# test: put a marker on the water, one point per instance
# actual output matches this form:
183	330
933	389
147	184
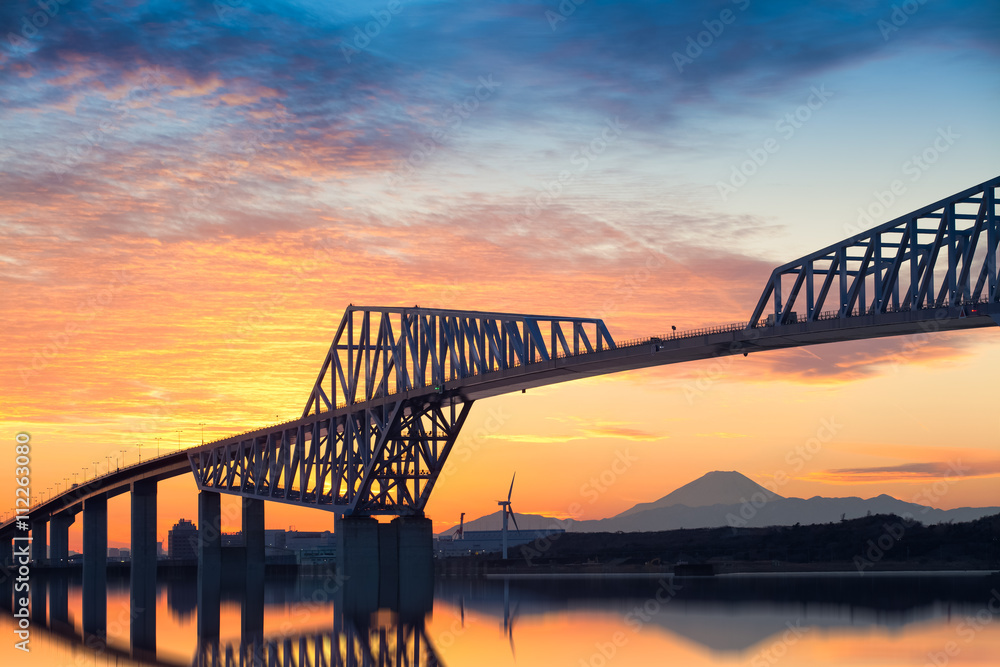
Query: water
756	620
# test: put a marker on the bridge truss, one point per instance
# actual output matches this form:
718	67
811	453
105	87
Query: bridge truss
387	407
943	255
397	384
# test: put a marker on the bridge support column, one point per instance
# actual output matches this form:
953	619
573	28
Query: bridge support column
59	527
253	599
38	599
416	565
95	565
209	564
39	540
142	575
7	573
358	561
59	601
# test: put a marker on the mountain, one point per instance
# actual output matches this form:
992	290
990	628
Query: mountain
728	498
715	488
495	522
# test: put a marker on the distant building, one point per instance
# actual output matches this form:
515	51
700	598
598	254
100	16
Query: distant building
488	541
274	539
233	539
182	541
117	554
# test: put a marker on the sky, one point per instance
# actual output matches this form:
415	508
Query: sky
191	193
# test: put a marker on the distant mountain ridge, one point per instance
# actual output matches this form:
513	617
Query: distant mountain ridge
728	498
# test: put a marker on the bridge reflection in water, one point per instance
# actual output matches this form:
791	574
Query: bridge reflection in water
387	640
367	623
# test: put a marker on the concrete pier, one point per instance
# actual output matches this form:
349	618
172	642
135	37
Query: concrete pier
59	549
95	565
7	582
38	599
39	539
59	601
253	599
142	577
209	564
385	565
358	560
415	536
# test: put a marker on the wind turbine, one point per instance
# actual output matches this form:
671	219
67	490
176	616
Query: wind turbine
507	511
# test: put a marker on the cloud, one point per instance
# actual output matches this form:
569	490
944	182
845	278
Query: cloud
948	470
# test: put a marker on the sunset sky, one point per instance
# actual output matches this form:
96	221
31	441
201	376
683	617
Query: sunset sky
191	194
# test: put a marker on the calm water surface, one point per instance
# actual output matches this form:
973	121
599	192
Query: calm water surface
755	620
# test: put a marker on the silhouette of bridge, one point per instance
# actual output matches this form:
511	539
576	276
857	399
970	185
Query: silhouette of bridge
397	385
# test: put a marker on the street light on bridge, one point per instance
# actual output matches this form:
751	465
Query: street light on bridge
179	440
158	446
202	425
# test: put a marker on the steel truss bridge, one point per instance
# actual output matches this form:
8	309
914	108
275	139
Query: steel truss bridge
397	384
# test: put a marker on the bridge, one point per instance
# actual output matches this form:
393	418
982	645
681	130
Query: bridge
397	385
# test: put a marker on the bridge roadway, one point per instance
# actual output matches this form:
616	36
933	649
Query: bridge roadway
646	352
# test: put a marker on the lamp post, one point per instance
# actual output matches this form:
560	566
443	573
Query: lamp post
123	457
179	440
202	425
158	446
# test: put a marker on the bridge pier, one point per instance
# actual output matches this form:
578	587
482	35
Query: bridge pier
209	564
59	527
39	539
416	565
59	601
95	565
10	572
358	560
142	574
38	598
253	599
389	565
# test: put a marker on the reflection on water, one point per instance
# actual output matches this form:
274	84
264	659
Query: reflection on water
835	619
